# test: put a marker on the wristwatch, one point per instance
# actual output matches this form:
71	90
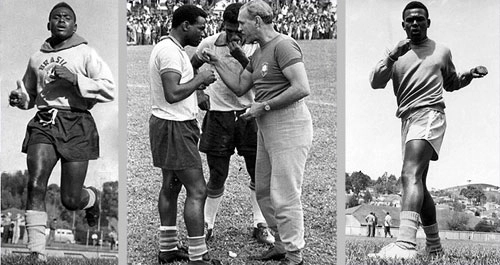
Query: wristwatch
267	107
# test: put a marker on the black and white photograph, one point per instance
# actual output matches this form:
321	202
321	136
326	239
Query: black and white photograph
231	123
59	132
422	132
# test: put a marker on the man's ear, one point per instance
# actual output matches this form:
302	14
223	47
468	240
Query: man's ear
48	26
185	25
403	24
428	23
76	26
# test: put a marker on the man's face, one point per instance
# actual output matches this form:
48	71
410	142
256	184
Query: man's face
62	23
232	32
196	31
415	24
247	26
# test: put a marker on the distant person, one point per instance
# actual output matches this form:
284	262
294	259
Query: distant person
387	225
223	130
52	232
420	70
94	237
17	228
374	226
370	219
174	134
64	80
113	237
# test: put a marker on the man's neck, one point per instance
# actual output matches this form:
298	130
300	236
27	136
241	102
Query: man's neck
56	43
178	37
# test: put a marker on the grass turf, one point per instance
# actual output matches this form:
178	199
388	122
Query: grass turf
234	220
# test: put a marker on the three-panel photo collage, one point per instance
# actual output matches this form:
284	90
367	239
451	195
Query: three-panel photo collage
252	132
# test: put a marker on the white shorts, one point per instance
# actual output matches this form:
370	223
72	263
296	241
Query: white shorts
424	124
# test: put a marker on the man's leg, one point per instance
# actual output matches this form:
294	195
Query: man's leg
167	207
260	230
417	156
74	196
219	169
196	194
41	159
429	222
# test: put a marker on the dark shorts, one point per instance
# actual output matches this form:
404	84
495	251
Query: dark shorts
223	131
73	134
174	144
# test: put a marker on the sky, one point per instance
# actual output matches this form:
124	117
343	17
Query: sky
23	30
470	149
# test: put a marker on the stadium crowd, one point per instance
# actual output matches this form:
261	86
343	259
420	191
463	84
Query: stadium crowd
301	19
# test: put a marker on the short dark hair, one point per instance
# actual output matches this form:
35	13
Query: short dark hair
415	4
187	13
231	13
65	5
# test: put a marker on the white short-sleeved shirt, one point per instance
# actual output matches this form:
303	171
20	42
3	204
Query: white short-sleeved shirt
221	97
169	56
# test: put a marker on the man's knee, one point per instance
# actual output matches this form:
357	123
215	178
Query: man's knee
70	202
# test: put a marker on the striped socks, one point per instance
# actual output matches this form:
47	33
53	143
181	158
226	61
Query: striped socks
197	247
408	229
432	240
168	238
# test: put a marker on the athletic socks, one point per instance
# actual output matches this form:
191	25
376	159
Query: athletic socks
408	229
432	240
197	247
36	222
211	208
92	198
257	213
168	238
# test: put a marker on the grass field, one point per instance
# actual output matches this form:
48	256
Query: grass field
24	260
455	252
234	218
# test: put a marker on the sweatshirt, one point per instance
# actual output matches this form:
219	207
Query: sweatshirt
94	79
419	77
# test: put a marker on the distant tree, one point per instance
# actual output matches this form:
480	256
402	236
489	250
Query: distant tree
360	181
14	186
484	226
348	184
353	201
367	197
386	184
109	201
458	206
473	193
458	222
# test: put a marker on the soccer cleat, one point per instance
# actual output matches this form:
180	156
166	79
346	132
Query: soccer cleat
206	260
289	262
165	257
263	234
92	213
395	251
271	254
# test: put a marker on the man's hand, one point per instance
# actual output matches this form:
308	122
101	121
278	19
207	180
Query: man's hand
254	111
478	71
17	97
62	72
401	49
203	100
209	56
235	49
207	76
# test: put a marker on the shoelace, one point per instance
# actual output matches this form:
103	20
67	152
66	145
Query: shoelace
52	119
